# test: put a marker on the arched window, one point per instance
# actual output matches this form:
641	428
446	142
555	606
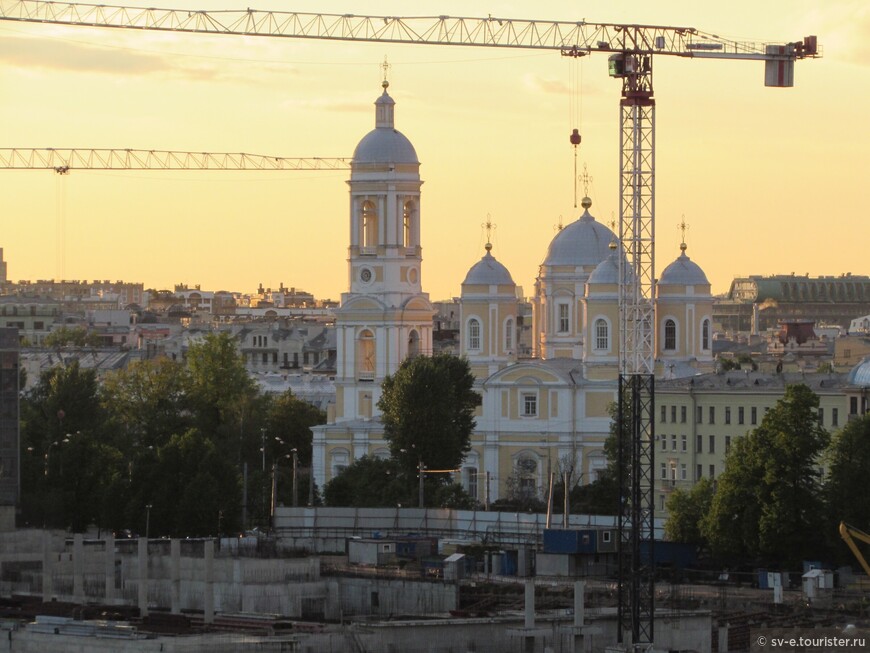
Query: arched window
340	459
413	343
670	335
602	335
527	476
509	334
473	334
407	223
705	334
365	356
369	236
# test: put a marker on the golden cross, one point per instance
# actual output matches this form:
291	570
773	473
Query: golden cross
586	178
683	227
386	67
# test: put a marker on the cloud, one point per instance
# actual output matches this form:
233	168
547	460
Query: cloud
66	56
546	85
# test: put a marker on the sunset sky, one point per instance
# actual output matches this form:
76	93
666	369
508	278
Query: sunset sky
769	180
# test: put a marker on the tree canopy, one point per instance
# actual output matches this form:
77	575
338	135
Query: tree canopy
428	412
163	434
768	502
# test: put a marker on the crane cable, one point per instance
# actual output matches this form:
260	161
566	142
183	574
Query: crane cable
575	109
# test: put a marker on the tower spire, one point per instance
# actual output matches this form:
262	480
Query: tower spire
489	226
683	227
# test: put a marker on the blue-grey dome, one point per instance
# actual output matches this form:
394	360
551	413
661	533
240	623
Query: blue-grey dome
683	272
860	374
488	272
385	144
583	242
607	271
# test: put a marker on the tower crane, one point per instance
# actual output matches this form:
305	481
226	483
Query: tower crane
632	49
64	160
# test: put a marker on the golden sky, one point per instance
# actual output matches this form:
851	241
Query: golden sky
769	180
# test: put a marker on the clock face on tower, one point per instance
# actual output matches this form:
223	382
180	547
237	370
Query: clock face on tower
365	275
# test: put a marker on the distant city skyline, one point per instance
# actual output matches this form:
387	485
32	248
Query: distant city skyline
769	180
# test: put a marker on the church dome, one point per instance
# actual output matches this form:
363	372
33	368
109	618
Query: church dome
385	144
607	271
583	242
683	272
488	272
860	374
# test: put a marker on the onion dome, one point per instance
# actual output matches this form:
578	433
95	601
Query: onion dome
607	271
860	374
683	272
385	144
488	272
584	242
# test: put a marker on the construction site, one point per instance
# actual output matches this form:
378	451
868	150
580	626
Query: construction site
455	585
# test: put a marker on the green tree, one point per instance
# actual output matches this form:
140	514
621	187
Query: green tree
428	413
768	502
369	483
686	509
146	402
219	386
189	485
288	424
66	457
846	488
71	337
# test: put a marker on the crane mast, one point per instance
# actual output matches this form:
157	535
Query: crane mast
632	48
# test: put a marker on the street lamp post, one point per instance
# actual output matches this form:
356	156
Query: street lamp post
148	507
295	468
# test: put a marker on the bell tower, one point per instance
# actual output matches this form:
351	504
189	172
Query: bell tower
385	316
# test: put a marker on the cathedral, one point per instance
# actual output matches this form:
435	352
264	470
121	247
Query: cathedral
549	413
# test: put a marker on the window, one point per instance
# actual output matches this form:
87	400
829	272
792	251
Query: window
670	335
673	471
530	405
605	536
661	502
712	414
699	415
727	414
682	414
471	481
683	472
474	334
407	213
699	444
509	334
664	442
835	417
664	411
684	444
853	405
602	335
727	443
712	444
664	471
821	416
712	471
673	443
673	414
365	356
699	471
753	415
527	469
740	414
369	225
563	318
705	334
